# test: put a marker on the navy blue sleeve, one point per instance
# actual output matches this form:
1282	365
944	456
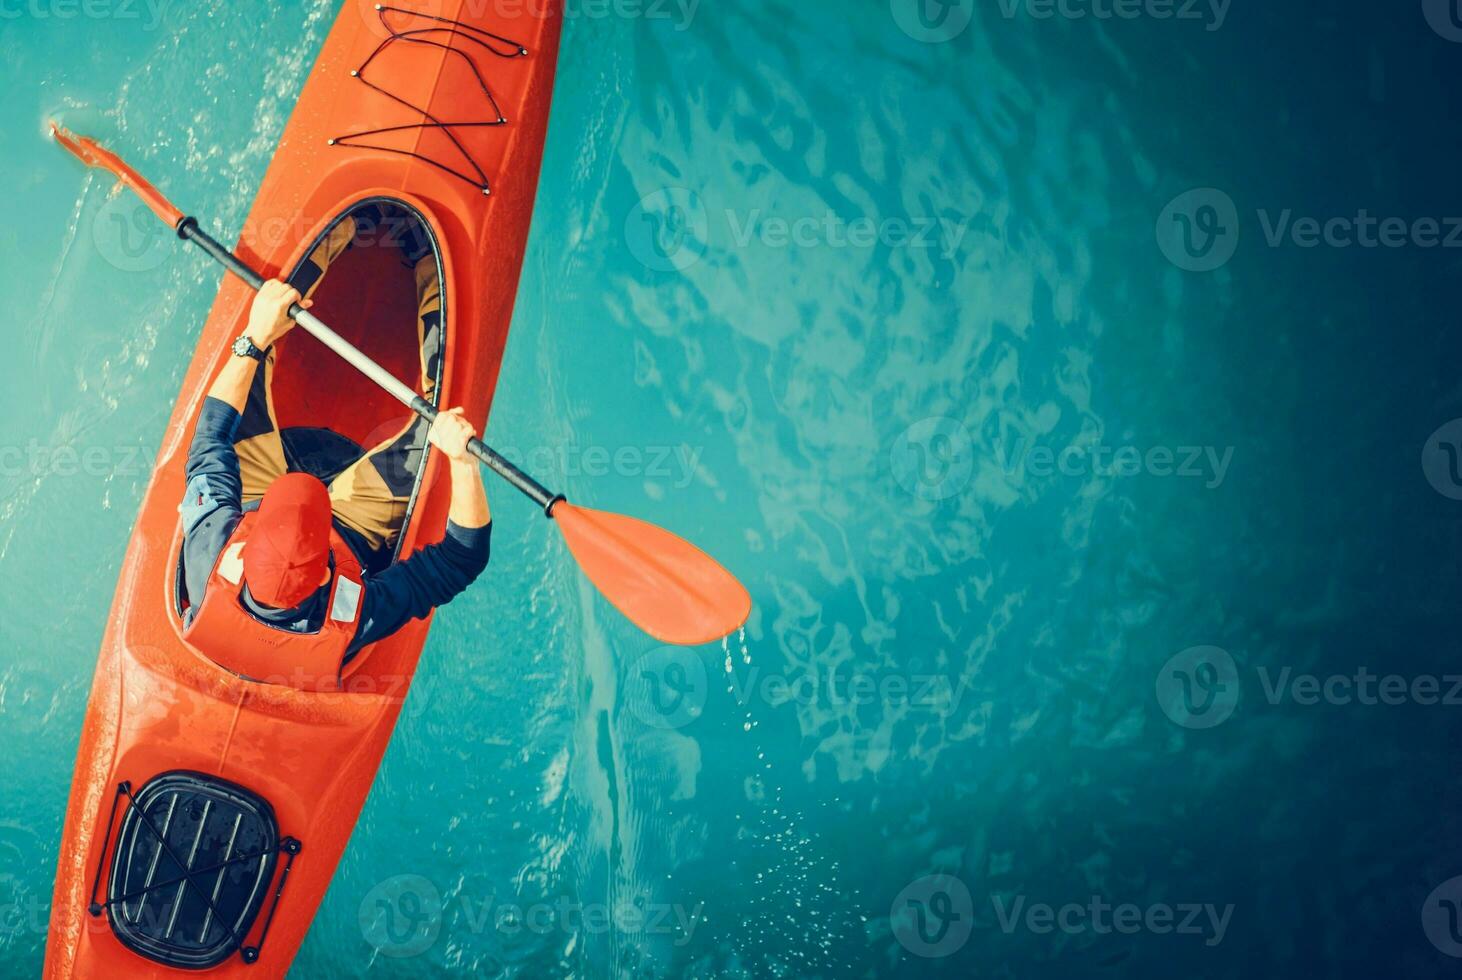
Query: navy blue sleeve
412	588
212	502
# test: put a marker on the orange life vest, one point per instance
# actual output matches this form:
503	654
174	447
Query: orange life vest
232	637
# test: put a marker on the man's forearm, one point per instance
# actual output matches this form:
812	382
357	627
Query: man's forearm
233	383
268	322
469	496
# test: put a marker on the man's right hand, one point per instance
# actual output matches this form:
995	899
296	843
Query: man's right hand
269	316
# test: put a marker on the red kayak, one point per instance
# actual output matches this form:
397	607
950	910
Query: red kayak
208	812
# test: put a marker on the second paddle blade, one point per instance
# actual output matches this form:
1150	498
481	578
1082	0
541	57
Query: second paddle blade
664	584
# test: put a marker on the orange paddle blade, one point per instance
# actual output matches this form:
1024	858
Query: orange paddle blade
93	154
664	584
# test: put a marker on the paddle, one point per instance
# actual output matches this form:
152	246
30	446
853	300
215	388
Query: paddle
665	585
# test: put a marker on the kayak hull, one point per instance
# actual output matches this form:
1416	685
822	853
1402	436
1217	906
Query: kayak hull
157	705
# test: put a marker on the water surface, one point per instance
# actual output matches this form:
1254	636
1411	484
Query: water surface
880	320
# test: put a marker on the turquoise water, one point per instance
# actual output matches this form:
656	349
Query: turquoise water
912	322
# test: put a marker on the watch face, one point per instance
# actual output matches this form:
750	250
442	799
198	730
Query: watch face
244	347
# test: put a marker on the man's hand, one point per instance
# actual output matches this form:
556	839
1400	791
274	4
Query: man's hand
268	322
269	317
450	433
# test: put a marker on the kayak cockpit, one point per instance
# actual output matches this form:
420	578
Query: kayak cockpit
375	274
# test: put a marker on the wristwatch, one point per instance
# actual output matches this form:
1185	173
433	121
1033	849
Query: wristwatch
244	347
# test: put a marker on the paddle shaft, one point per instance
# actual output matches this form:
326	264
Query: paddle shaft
188	230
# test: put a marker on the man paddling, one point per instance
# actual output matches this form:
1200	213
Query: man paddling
282	583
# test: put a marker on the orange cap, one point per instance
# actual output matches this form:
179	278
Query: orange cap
288	553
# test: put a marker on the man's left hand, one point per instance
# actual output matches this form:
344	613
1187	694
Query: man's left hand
450	433
269	316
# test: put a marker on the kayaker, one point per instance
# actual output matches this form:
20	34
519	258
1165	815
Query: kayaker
281	580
